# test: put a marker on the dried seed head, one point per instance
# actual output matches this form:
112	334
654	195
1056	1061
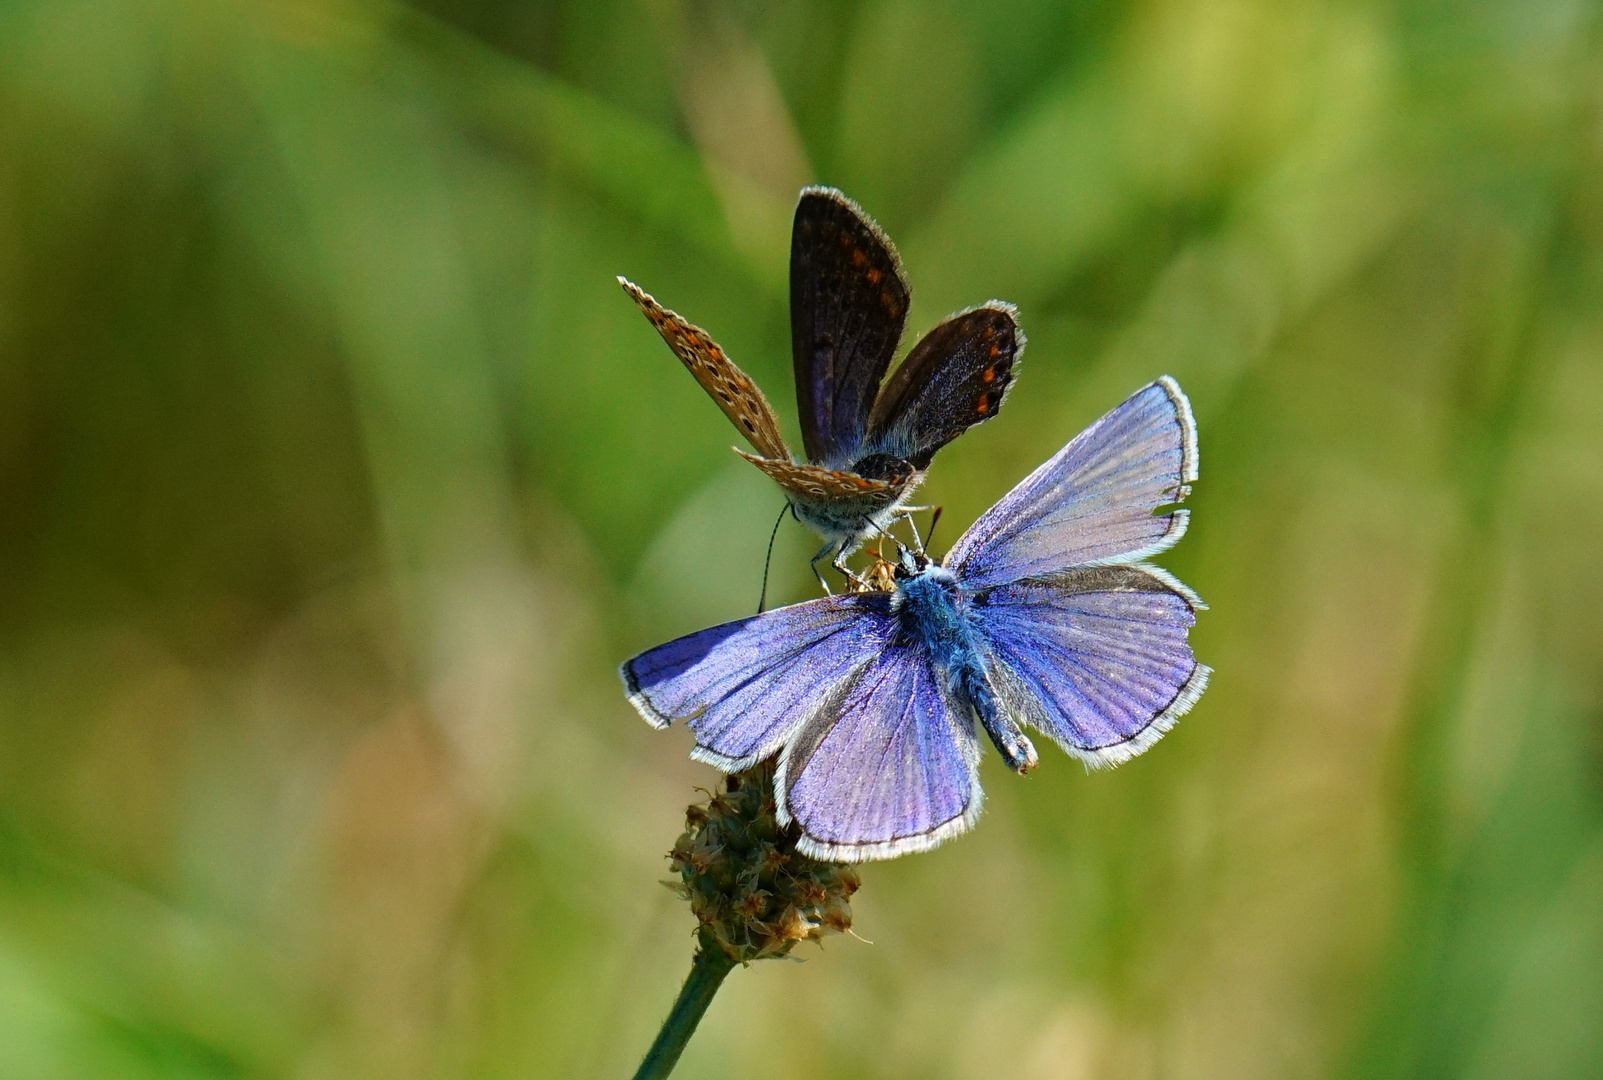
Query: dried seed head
753	893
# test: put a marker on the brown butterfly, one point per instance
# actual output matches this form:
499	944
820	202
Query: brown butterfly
867	445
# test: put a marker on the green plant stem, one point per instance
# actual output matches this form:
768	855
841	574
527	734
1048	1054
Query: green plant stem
707	973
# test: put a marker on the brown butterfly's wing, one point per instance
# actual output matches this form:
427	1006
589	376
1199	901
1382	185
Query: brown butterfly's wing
740	398
954	378
815	483
848	302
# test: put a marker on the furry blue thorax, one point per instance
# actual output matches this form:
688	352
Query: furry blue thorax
934	609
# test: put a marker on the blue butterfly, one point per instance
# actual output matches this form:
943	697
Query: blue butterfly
1042	614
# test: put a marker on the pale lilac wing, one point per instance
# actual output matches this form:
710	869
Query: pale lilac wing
888	765
743	688
1095	500
1097	658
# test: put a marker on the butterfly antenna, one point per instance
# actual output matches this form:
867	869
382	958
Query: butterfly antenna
762	597
935	519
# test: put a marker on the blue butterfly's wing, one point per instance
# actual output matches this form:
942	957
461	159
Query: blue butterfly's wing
1094	501
848	301
743	688
1095	657
955	377
888	764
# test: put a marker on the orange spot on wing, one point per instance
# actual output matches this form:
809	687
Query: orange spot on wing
995	349
989	374
874	275
858	258
983	406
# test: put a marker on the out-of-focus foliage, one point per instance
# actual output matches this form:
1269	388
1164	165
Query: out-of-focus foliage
336	475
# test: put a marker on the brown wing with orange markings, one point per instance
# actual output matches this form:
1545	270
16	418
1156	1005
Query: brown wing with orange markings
954	378
819	484
736	394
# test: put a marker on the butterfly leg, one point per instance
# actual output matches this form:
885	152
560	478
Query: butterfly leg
819	574
906	514
839	563
912	525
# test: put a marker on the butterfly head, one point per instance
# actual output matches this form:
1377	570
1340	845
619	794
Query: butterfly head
910	563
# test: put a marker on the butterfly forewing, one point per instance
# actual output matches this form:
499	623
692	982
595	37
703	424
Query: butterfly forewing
734	391
743	688
954	378
1095	500
888	767
1097	658
848	302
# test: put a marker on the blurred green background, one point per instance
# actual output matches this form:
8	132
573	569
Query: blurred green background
337	474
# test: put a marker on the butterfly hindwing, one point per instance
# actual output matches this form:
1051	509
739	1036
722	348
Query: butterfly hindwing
954	378
1095	500
848	303
740	398
1097	657
888	764
743	688
818	483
